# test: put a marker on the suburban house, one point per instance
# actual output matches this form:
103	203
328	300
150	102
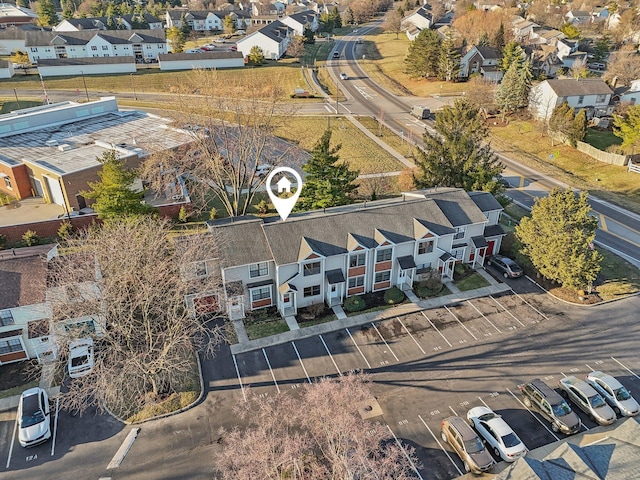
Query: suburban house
522	29
421	19
545	36
591	94
209	60
78	24
12	40
205	20
273	39
577	17
482	60
544	59
631	94
328	255
11	15
141	44
567	51
52	151
299	22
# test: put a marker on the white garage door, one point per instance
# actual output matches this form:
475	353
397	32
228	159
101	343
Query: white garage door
54	190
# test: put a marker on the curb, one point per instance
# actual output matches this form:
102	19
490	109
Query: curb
590	305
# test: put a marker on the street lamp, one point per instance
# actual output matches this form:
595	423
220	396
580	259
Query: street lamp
133	84
86	92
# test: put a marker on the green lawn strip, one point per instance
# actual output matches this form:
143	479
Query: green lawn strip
19	389
402	144
472	282
374	309
601	139
7	106
265	328
620	277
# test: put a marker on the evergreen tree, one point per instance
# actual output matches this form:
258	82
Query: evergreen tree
46	11
558	239
67	9
484	40
456	154
334	15
506	96
309	36
111	24
424	53
256	55
175	37
561	121
347	16
498	39
326	23
601	48
512	52
579	127
328	182
408	5
449	61
184	26
229	24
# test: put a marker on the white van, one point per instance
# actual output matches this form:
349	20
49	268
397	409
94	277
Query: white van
420	112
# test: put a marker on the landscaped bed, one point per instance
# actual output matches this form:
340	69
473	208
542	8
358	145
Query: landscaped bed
18	377
373	301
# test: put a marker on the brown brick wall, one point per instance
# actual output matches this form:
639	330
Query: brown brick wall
47	228
382	266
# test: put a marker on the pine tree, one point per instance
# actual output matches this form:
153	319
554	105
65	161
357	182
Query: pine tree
184	26
46	13
423	56
449	60
511	53
328	182
484	40
579	129
506	96
498	39
256	55
334	15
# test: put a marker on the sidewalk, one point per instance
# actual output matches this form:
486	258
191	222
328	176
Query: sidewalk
494	288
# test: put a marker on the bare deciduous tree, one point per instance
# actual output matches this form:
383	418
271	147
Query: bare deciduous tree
133	279
318	435
393	22
623	64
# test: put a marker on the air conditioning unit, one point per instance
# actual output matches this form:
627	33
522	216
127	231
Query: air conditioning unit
177	197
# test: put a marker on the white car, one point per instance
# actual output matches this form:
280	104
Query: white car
587	399
497	433
34	417
80	357
614	393
343	76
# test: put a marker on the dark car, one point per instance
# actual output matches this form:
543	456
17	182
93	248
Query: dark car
336	54
508	267
466	443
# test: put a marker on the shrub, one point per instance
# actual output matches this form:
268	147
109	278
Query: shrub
262	207
65	230
183	215
30	238
213	213
3	241
354	304
393	295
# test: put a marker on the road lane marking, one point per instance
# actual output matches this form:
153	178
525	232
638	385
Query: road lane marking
330	356
264	352
13	440
436	329
300	359
627	369
385	342
533	415
124	449
525	301
603	222
412	338
244	395
503	308
354	342
483	316
55	427
405	453
440	445
461	324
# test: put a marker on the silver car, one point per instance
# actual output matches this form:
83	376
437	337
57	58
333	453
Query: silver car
614	393
34	419
587	399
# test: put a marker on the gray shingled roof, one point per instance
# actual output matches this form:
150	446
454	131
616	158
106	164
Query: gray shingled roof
304	17
88	23
38	39
485	201
570	87
488	52
54	62
242	243
276	31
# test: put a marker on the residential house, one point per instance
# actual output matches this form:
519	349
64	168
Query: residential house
273	39
630	94
545	36
299	22
141	44
522	29
482	60
544	60
139	21
124	22
600	14
12	38
328	255
577	17
567	52
412	32
81	24
208	60
11	15
491	5
591	94
421	19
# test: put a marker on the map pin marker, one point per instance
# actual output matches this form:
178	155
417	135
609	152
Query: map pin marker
284	205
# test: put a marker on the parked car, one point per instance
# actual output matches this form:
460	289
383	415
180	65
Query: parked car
497	433
34	417
502	181
587	399
508	267
343	76
81	359
456	432
614	393
420	112
551	406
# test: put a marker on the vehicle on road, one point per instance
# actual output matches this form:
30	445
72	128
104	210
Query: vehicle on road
80	357
497	433
585	397
343	76
614	393
34	417
336	54
551	406
465	441
508	267
502	181
420	112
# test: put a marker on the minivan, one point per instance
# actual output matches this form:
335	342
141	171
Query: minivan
551	406
420	112
467	444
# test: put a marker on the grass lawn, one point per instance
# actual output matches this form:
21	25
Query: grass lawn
19	389
7	106
472	282
266	328
400	144
601	139
620	277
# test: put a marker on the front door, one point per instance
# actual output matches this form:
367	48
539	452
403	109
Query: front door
37	186
288	304
334	295
236	307
490	245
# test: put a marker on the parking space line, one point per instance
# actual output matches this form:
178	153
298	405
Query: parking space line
503	308
525	301
483	316
270	369
589	367
354	342
55	427
407	330
405	453
627	369
436	329
385	342
300	359
13	440
461	324
330	356
453	411
533	415
440	445
244	395
483	402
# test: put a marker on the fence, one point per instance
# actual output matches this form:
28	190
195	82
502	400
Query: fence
634	167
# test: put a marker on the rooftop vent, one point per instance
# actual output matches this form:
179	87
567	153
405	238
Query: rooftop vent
51	143
65	147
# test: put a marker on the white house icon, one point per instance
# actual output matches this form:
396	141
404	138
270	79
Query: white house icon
284	185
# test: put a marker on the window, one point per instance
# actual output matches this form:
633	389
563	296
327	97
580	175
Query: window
383	255
460	231
580	99
603	99
94	48
356	259
425	247
356	281
458	253
105	47
312	291
7	182
258	269
383	276
260	293
6	318
11	345
311	268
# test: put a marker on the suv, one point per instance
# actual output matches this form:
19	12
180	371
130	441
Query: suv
508	267
466	443
33	417
551	406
